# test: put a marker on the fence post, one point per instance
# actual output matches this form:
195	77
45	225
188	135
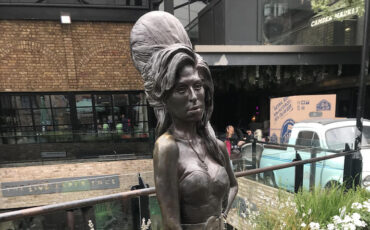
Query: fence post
352	168
140	205
313	169
254	150
70	220
298	180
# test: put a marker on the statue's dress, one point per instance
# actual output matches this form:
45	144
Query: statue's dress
201	191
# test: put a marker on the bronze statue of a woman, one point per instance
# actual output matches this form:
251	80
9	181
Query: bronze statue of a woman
194	181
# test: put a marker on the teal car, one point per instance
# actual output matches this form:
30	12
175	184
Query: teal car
325	134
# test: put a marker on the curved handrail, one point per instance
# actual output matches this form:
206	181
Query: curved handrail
147	191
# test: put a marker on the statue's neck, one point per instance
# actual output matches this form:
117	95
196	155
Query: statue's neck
184	130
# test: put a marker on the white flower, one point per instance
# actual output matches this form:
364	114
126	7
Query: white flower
356	205
349	226
330	226
347	219
356	216
342	211
359	223
309	211
337	220
303	214
366	205
303	225
314	226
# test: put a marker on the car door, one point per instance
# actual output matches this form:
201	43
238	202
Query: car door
309	141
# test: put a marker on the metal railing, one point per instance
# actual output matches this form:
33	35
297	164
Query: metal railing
13	215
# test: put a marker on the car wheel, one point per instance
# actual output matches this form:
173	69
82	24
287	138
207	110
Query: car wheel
269	179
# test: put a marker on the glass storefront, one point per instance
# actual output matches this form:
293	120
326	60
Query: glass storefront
313	22
49	118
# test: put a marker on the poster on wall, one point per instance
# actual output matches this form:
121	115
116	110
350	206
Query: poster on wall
286	111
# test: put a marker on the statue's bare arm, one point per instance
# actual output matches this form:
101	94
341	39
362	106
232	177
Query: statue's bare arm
233	183
165	160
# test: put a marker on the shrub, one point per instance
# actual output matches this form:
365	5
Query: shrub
332	208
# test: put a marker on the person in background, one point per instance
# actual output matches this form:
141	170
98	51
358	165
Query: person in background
258	135
126	124
231	140
248	136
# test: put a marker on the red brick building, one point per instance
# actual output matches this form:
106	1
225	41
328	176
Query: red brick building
74	121
64	88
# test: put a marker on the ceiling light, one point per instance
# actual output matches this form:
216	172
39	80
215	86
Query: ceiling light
65	18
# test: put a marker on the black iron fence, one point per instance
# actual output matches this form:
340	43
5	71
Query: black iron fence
85	205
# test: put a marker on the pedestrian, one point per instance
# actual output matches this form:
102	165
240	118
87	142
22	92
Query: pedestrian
126	123
232	141
248	135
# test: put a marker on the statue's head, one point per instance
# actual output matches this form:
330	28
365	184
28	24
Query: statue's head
161	50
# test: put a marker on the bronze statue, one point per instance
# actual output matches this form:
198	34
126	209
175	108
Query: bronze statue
194	181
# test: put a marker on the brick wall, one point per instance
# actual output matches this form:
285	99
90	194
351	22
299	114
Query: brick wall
127	171
83	56
252	196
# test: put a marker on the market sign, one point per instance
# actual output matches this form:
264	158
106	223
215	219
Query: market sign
336	16
59	185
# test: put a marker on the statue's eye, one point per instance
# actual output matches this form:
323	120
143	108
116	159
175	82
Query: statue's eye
198	86
181	89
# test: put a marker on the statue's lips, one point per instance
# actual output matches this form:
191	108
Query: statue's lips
194	109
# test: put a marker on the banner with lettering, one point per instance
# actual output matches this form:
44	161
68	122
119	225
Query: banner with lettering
285	111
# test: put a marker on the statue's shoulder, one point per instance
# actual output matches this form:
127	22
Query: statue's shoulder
166	145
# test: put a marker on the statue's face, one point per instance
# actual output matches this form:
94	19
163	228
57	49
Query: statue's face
186	100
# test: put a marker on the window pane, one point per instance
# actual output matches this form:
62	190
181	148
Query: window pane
40	101
63	128
103	100
23	117
83	100
63	133
5	102
120	100
7	118
44	128
305	23
315	140
42	116
104	117
304	138
140	122
135	98
85	115
61	116
7	137
21	102
25	135
84	109
59	101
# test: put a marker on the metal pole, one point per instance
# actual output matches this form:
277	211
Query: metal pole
298	179
313	169
70	220
169	6
363	76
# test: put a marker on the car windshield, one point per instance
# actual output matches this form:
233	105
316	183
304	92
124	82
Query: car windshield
338	137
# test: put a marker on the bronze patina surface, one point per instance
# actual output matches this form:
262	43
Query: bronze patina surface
194	181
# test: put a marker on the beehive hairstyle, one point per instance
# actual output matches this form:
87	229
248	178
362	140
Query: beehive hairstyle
160	47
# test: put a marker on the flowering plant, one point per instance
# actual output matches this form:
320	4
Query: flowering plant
332	209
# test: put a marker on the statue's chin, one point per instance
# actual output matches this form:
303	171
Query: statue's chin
195	115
